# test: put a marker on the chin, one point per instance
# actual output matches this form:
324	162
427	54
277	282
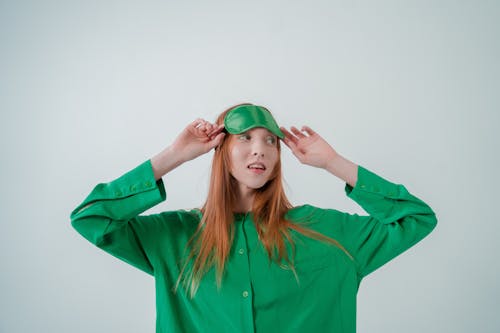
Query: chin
258	186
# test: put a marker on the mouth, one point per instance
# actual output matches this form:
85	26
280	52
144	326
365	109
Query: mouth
257	167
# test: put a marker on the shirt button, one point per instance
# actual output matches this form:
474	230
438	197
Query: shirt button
241	251
118	193
148	184
362	185
245	294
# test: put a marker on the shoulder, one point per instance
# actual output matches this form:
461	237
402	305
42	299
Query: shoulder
176	221
182	215
327	221
186	218
310	213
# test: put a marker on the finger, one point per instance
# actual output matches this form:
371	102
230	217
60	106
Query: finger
295	150
217	140
298	133
198	122
308	130
200	129
288	136
291	142
287	142
211	126
206	127
216	129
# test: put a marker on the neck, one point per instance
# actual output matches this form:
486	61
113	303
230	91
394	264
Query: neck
244	201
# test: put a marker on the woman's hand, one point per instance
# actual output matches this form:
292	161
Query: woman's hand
312	149
309	147
196	139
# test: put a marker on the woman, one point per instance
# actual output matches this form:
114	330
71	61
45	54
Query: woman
248	261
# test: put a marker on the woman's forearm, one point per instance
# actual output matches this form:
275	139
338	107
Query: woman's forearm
165	161
344	169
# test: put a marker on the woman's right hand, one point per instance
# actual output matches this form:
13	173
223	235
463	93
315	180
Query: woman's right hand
196	139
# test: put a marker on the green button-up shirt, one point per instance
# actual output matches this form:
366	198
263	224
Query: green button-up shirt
256	295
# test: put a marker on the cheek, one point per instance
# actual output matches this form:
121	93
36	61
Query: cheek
237	158
272	162
236	154
273	156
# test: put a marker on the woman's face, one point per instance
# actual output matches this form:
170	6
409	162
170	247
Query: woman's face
253	155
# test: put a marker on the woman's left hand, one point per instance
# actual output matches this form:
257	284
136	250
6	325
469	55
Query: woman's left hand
309	147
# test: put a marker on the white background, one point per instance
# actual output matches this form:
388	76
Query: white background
90	89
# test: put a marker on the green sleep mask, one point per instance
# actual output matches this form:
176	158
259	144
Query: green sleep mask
246	117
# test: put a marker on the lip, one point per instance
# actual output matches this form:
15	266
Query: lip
257	170
257	163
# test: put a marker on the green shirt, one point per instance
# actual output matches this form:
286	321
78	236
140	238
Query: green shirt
256	295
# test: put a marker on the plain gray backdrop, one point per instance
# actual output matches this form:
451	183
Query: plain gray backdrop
90	89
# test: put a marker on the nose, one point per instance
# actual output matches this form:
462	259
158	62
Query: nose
258	149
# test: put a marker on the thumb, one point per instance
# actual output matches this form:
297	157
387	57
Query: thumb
290	144
217	140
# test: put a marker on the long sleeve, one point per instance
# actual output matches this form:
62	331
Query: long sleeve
397	220
108	217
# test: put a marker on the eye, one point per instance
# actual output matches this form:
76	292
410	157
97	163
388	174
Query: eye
244	137
271	140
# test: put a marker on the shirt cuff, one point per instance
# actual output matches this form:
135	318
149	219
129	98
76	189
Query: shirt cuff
376	195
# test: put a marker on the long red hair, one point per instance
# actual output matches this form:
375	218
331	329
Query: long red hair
211	244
